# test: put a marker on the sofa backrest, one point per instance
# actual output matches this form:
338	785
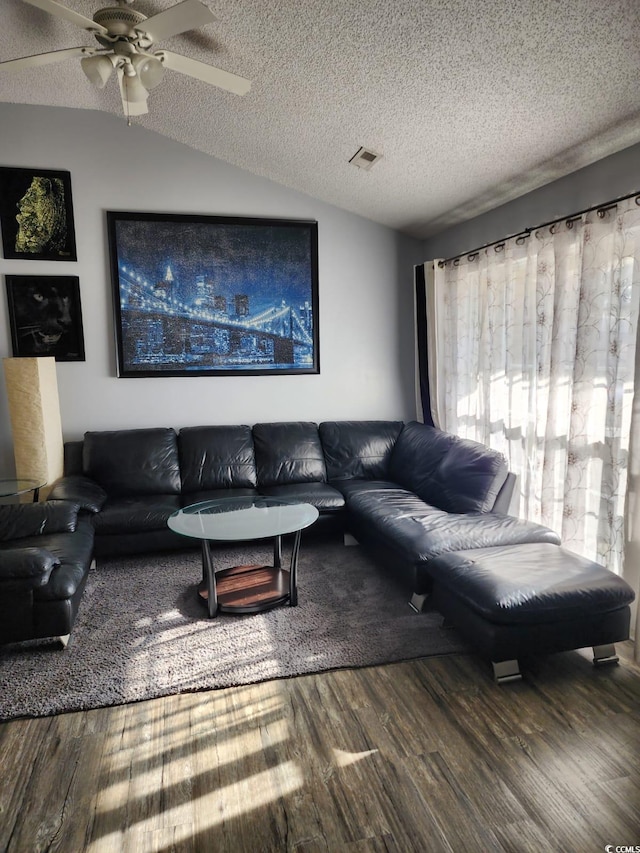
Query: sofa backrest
216	457
133	461
73	457
288	452
450	473
358	450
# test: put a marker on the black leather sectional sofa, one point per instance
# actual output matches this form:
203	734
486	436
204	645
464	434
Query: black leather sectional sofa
408	489
420	499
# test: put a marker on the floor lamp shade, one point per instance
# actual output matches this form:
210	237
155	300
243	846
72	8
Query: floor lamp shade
34	410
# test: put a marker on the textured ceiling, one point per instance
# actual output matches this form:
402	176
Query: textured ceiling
471	104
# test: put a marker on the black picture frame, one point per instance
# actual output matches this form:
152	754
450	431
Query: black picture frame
36	215
45	316
198	295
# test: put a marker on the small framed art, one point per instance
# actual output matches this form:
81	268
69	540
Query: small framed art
45	316
36	215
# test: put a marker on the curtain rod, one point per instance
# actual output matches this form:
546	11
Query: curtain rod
522	235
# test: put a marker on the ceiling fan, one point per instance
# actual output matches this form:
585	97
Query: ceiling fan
127	39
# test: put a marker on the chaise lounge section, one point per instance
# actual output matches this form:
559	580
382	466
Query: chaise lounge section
434	493
520	600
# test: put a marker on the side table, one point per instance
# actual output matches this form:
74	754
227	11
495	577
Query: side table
10	488
246	589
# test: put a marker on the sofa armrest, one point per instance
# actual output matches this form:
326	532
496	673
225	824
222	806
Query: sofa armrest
505	495
81	490
20	520
23	569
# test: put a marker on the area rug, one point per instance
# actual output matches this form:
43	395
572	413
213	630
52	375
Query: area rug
142	633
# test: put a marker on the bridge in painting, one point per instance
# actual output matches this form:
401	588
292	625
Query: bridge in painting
159	328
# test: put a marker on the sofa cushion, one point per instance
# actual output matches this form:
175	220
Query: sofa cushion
216	457
530	584
416	455
320	495
356	487
215	494
135	514
451	473
288	453
358	449
470	477
133	461
419	532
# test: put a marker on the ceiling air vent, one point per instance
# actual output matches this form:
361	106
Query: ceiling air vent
364	158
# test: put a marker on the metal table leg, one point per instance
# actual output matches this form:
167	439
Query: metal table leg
277	552
209	577
293	571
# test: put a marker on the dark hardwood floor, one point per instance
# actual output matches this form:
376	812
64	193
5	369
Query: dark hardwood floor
428	755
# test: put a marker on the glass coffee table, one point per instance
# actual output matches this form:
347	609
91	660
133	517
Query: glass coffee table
20	486
246	589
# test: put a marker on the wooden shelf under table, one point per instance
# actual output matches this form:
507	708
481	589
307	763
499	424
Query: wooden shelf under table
249	589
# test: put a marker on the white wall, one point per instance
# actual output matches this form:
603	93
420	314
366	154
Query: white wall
609	178
365	275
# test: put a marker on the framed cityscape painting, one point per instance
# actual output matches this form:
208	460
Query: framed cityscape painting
214	295
36	214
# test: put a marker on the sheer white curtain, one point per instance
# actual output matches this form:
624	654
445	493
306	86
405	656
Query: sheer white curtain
532	351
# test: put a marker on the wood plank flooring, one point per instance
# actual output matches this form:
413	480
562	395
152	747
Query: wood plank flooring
428	755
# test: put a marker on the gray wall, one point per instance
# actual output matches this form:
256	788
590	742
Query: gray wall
366	304
610	178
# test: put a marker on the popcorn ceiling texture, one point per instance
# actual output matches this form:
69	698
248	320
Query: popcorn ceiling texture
470	104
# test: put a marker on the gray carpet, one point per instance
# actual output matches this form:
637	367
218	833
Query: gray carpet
142	633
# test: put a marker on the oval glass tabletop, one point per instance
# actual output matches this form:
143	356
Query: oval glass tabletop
18	486
235	519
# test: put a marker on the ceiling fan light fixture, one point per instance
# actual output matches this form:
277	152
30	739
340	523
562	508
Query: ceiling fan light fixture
149	69
133	89
128	38
98	69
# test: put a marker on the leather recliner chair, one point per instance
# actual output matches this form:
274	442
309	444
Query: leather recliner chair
46	551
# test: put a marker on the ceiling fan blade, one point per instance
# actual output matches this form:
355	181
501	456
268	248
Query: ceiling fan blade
202	71
45	58
54	8
178	19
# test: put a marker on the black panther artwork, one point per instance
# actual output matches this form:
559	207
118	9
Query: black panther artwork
45	316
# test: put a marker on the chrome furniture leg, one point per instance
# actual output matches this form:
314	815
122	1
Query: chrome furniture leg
418	601
603	655
506	670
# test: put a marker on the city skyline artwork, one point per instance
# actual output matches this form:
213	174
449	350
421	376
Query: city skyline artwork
205	295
